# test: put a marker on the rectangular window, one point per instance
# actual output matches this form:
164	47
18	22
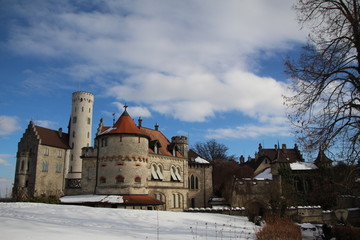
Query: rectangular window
74	119
59	153
58	168
46	152
89	120
45	166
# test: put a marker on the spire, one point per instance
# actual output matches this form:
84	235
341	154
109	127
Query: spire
125	113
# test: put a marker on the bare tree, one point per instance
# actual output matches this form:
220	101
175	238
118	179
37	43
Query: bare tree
212	150
326	102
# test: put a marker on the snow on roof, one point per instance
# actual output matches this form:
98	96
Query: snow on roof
266	174
200	160
302	166
92	198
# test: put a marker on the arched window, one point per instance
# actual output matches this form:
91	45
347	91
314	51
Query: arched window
175	173
156	172
22	165
137	179
160	196
177	200
194	182
120	179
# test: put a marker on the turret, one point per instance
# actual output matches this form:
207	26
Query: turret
79	130
182	145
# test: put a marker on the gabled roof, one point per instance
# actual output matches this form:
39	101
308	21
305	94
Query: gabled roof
283	154
52	138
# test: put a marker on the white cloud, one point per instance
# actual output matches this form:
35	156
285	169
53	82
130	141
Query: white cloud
8	124
185	59
3	160
134	111
249	131
46	123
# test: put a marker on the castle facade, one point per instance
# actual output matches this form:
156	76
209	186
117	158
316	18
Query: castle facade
138	165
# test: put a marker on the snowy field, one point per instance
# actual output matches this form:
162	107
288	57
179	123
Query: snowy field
58	222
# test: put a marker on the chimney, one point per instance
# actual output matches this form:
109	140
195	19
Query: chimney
139	122
156	127
284	146
60	132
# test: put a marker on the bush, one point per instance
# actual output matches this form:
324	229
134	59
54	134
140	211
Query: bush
346	232
279	229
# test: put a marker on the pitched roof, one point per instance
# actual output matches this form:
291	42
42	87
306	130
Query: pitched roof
52	138
160	137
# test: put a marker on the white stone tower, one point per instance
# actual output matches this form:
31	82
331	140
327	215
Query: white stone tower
80	126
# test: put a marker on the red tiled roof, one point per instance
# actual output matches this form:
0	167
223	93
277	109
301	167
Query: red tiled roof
159	136
125	124
141	200
52	138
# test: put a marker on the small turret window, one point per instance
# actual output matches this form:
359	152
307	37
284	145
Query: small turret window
120	179
137	179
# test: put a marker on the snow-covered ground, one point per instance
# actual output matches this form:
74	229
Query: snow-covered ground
43	222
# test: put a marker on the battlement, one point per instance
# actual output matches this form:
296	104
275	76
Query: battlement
83	96
179	139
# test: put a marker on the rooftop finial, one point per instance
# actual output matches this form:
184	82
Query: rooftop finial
125	106
113	118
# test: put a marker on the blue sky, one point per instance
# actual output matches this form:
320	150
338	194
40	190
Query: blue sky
203	69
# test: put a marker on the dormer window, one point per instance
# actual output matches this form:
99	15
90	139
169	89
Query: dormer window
155	145
156	150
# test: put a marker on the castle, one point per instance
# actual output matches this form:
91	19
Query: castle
129	166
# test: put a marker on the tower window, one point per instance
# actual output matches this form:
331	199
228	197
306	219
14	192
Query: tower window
137	179
22	165
82	109
73	134
74	119
88	120
120	179
89	110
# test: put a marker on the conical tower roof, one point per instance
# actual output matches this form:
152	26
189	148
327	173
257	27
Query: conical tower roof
125	124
